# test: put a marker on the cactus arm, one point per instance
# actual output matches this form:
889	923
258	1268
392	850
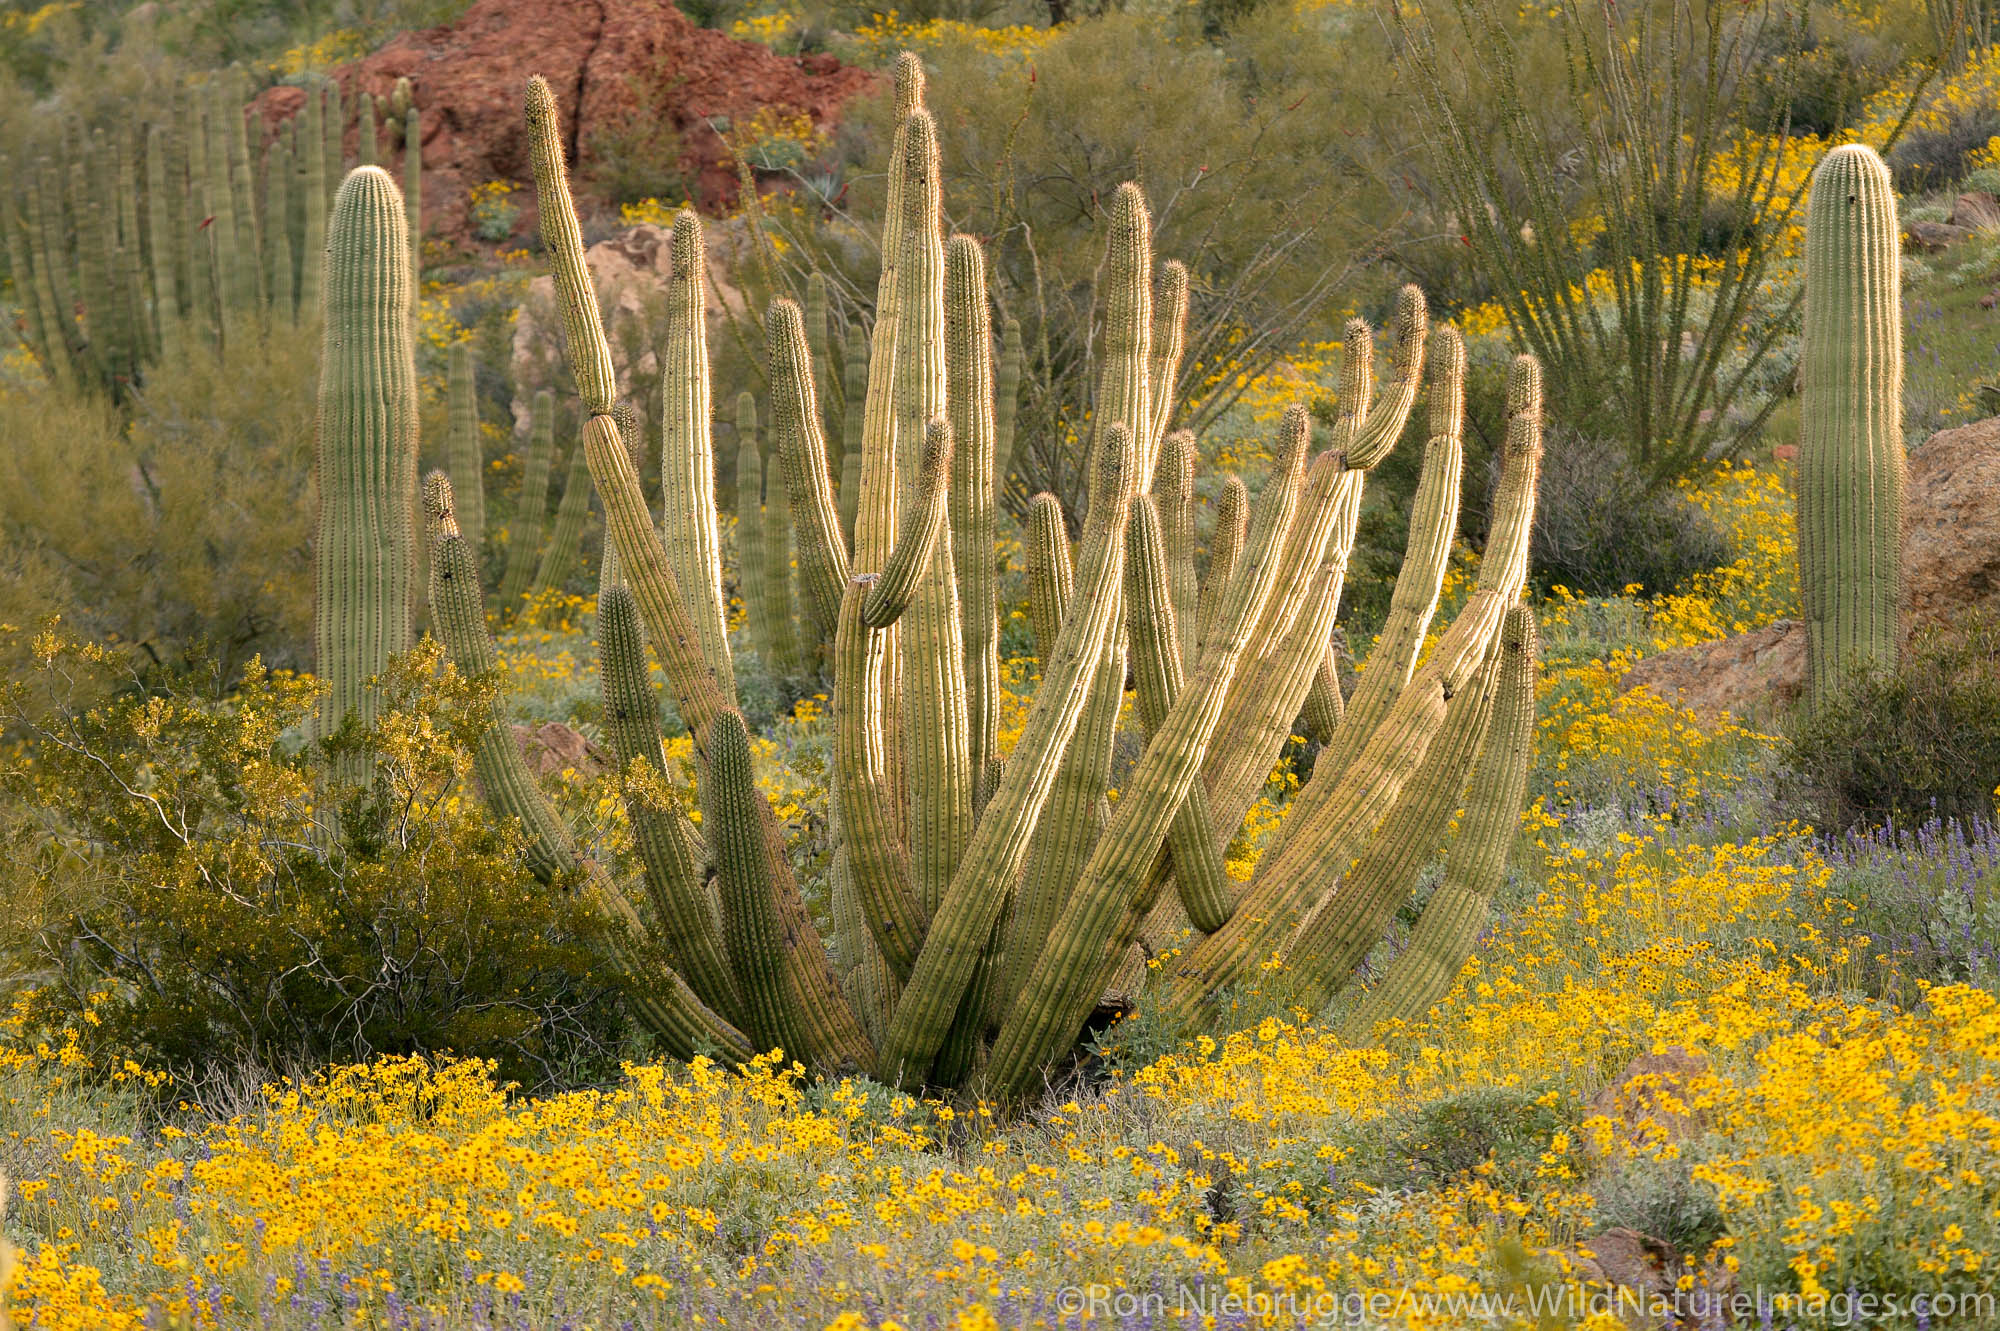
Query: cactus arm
1426	555
1157	671
1476	864
1232	511
879	866
687	927
278	231
413	188
969	391
660	998
524	533
1375	432
244	188
854	368
687	453
895	587
780	629
166	255
367	465
464	457
1851	464
1006	398
1173	488
823	563
642	558
1317	852
1324	705
1104	907
1338	931
750	525
1170	314
312	228
827	389
963	923
1123	394
370	151
1050	579
782	971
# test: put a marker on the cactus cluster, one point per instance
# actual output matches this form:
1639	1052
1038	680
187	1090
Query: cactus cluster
129	247
983	903
1851	464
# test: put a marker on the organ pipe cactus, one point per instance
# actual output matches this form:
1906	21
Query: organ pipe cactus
524	533
464	453
565	543
982	907
1851	465
365	557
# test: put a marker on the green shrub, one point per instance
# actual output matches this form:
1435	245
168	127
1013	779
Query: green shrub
181	531
1660	1198
193	880
1905	746
1599	528
1499	1129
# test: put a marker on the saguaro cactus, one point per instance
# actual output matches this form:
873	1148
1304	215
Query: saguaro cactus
1851	465
366	552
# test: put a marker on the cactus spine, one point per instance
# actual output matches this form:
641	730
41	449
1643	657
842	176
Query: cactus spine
780	640
750	525
1851	465
367	450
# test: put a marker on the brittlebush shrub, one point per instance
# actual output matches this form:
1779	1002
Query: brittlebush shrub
1907	745
192	893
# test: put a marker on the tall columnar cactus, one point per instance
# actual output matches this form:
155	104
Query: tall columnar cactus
779	639
1007	396
524	533
413	183
464	452
565	543
279	279
366	552
750	523
1851	465
370	151
855	360
982	908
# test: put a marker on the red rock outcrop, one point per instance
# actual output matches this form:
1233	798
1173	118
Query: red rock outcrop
610	61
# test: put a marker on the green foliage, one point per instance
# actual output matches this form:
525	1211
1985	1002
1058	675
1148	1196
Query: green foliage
1499	1130
1660	1198
1922	740
1645	124
181	851
188	524
1599	529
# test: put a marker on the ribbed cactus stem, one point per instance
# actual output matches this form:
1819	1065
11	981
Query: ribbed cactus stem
1006	398
1049	573
565	543
1103	910
370	151
1366	439
243	183
524	532
1348	919
687	454
367	466
1426	556
1476	864
1124	394
278	231
1232	513
1170	314
963	923
827	389
333	128
1851	463
1173	491
464	450
855	368
974	517
750	526
781	630
688	929
801	448
659	997
312	225
413	187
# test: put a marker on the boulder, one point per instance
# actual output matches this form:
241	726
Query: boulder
552	748
1976	210
1951	564
1932	237
1656	1098
630	271
611	62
